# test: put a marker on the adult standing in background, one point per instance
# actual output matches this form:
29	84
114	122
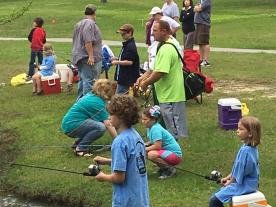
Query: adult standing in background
170	9
202	32
87	50
187	18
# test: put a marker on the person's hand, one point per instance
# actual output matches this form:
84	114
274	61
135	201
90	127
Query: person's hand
139	80
100	176
99	160
143	86
90	61
197	8
114	62
225	181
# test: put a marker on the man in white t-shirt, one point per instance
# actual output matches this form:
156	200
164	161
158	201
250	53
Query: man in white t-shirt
157	15
170	9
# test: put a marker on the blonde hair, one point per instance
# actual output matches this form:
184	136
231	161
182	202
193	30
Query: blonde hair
104	88
48	49
253	126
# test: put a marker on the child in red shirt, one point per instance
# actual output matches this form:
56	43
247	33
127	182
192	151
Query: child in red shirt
37	37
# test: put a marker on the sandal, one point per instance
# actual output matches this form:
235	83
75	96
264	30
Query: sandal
83	153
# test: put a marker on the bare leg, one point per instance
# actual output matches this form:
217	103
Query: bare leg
201	52
154	157
206	51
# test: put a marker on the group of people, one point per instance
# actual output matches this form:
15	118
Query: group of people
103	105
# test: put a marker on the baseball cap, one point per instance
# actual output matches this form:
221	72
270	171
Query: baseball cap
155	10
126	28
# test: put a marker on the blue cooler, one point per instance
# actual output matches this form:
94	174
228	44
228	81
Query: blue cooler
229	113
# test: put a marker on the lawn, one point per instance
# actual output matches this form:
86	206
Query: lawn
236	24
28	124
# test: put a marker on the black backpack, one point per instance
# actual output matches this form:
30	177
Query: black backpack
194	83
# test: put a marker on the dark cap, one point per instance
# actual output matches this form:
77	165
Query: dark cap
126	28
90	9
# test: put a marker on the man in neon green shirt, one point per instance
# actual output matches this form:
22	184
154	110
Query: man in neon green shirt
167	77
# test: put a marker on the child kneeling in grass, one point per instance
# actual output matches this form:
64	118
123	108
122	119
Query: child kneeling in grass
129	175
87	120
45	69
162	148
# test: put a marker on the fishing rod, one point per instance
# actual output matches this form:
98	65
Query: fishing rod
93	170
65	146
213	176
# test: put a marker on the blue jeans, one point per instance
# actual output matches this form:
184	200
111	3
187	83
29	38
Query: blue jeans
39	55
215	202
121	89
87	132
88	74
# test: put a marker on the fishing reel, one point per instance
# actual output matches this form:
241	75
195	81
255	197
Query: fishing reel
93	170
214	176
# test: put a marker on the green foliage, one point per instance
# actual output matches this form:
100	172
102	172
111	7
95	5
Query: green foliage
35	122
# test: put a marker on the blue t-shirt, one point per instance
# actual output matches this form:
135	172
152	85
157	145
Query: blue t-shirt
158	133
246	173
129	156
48	65
89	106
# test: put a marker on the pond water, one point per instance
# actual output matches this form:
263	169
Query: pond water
8	200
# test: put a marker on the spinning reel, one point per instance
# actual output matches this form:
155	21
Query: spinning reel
93	170
214	176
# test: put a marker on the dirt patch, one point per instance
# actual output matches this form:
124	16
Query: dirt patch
233	86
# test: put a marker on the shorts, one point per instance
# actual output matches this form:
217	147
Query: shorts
202	34
170	157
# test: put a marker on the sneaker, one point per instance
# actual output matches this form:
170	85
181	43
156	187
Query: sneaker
205	63
170	172
28	78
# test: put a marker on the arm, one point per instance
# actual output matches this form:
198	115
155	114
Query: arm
156	146
122	62
154	77
143	77
89	49
115	177
112	131
102	160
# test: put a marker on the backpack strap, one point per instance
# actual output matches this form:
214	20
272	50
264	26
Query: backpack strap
179	55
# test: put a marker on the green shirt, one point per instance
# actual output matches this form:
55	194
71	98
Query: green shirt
88	107
170	88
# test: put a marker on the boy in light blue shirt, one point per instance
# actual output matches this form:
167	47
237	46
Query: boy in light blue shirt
129	175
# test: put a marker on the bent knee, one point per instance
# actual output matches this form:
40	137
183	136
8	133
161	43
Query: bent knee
152	155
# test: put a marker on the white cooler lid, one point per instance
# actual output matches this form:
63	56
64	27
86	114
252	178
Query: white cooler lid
50	77
229	102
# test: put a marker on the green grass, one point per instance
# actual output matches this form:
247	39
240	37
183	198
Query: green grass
35	121
236	24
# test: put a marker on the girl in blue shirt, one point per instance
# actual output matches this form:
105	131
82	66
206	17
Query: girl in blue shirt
244	178
161	148
45	69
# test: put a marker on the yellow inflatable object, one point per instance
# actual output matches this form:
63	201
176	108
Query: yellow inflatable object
245	110
18	80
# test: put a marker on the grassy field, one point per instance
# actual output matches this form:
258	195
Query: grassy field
237	24
29	123
33	122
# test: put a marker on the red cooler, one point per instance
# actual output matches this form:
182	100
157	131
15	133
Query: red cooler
51	84
229	113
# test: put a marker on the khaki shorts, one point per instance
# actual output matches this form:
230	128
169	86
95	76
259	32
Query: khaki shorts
202	34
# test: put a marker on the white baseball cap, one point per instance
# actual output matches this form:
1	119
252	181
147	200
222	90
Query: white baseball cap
155	10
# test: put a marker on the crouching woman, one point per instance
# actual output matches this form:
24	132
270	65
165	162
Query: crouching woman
87	120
